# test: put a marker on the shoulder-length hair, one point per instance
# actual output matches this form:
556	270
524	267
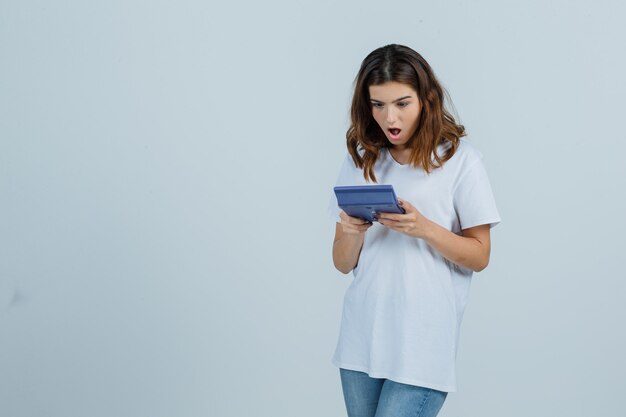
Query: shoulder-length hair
436	125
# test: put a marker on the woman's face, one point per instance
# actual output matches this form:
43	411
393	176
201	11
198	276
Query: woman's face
396	109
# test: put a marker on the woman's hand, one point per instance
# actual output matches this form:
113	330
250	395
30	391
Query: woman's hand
349	239
412	223
353	225
471	249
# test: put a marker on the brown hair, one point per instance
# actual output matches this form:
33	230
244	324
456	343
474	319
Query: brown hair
436	125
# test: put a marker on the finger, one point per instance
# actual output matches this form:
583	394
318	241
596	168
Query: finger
358	220
350	219
387	223
389	216
405	205
391	223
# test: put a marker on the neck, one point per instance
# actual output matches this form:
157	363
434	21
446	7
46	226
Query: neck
400	155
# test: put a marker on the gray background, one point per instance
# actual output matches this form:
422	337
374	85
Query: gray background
164	174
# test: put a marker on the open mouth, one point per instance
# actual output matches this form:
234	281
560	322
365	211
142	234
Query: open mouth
395	133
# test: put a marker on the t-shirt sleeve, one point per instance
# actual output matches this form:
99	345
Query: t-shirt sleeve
345	174
474	202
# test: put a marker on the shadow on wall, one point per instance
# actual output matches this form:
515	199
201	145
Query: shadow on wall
10	294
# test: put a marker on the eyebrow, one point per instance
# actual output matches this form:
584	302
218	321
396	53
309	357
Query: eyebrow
398	99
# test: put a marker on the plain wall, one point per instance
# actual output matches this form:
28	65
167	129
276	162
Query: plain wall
164	174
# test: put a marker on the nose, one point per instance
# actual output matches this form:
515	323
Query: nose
391	115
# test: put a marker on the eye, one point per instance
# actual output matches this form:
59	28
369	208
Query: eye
403	104
378	105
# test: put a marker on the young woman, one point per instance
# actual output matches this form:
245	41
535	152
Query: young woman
402	312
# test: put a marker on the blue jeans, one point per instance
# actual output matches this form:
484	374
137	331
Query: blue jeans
374	397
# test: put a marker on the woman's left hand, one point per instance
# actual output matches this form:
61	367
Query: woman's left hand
412	223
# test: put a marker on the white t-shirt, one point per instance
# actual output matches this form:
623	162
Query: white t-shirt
403	309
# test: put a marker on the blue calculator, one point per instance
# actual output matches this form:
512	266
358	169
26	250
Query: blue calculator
365	201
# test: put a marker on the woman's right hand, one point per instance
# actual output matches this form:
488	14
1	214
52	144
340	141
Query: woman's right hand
353	225
349	238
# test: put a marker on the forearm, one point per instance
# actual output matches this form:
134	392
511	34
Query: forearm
461	250
346	252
